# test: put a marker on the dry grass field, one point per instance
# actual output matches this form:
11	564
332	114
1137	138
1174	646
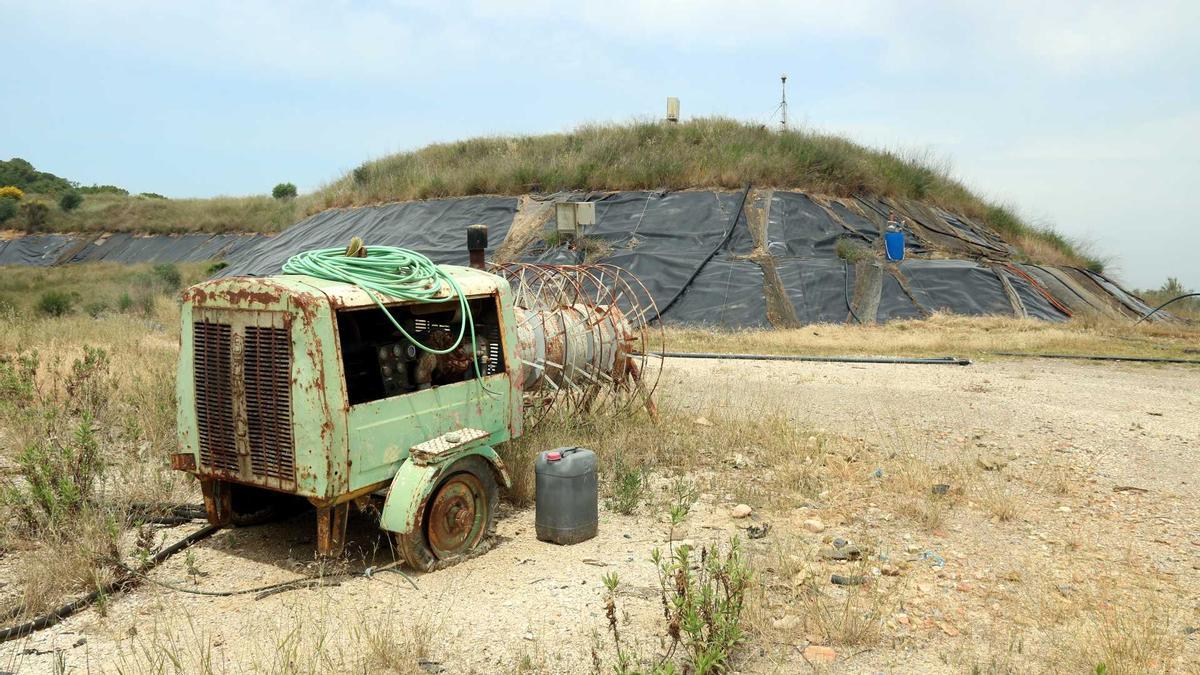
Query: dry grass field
1011	516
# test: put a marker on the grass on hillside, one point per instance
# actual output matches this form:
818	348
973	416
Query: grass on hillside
700	153
147	215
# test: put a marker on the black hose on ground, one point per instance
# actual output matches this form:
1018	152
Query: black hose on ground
1101	357
57	615
1153	311
933	361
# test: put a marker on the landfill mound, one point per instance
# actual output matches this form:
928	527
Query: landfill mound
44	250
752	259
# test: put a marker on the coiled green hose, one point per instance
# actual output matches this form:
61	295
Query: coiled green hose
393	272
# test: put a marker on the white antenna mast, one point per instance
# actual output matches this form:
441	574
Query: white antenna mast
783	102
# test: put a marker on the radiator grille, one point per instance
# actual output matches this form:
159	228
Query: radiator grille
268	363
214	395
243	401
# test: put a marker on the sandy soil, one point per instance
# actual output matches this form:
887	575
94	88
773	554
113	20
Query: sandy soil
1098	458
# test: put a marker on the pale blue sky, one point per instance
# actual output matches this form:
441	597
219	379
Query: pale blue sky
1082	115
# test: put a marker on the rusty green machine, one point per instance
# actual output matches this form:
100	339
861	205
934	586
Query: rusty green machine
315	385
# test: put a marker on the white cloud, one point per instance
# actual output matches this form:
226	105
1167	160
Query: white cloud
405	39
1075	36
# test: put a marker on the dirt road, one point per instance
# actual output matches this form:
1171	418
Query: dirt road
1082	500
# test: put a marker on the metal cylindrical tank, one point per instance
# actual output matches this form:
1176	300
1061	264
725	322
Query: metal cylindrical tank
567	510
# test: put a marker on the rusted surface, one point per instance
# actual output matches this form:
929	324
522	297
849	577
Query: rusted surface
218	501
437	449
241	368
235	292
582	335
331	529
458	516
183	461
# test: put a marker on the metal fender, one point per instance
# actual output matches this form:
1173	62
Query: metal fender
414	483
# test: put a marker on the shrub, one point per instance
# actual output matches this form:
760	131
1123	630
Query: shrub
35	214
11	192
60	478
151	195
8	208
168	276
628	484
125	302
103	190
90	385
96	309
215	267
853	251
70	201
55	303
702	597
284	191
18	379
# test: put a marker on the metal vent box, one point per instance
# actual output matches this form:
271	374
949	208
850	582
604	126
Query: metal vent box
570	216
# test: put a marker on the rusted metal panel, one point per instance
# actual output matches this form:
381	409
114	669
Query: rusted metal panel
414	484
182	461
437	449
250	411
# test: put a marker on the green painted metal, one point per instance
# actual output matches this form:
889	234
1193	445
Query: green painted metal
341	450
414	483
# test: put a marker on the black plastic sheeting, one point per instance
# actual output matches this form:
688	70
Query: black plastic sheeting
437	228
1036	305
1132	303
41	250
44	250
726	294
958	286
894	303
681	248
820	290
128	248
683	224
798	227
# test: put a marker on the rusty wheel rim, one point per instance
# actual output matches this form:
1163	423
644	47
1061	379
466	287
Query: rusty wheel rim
457	516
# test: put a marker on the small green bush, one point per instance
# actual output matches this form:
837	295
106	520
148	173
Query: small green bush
151	195
90	384
35	213
853	251
628	484
55	303
703	597
215	267
8	209
168	276
284	191
70	201
125	302
60	478
96	309
18	379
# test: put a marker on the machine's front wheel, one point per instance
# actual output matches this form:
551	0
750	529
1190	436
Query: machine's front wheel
458	517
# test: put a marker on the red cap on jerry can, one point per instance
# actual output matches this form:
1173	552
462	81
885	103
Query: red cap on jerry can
553	456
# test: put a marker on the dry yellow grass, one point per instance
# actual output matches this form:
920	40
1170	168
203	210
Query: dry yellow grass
946	334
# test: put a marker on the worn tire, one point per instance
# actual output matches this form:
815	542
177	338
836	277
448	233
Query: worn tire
415	548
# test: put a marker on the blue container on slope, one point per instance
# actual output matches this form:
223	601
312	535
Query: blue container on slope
893	241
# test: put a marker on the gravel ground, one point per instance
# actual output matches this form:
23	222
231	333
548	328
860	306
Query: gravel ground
1070	439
